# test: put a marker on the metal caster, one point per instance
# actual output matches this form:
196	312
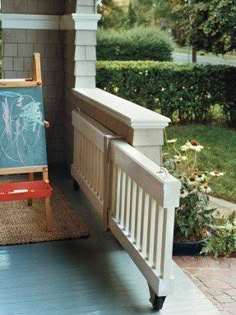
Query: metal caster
75	186
157	302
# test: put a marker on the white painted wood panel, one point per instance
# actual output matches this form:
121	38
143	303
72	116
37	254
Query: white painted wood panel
142	200
142	219
90	161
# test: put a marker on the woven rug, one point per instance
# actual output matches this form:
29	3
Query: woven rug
20	223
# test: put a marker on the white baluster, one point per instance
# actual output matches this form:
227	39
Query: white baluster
139	235
123	200
133	223
167	242
146	225
96	157
92	167
118	193
128	205
159	236
80	153
153	228
113	189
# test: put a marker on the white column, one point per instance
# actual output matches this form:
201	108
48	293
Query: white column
85	21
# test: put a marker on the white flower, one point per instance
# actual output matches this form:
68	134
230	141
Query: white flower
177	158
196	148
200	177
183	193
171	141
208	190
186	146
205	189
194	145
191	181
216	173
163	89
180	158
99	2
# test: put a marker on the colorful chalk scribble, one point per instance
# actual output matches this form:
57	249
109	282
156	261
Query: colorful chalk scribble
21	129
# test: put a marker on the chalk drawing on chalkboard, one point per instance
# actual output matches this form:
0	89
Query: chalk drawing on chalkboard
22	121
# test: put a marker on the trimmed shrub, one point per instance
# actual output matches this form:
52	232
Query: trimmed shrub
134	44
184	91
230	96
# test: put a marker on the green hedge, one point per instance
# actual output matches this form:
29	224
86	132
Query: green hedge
183	91
134	44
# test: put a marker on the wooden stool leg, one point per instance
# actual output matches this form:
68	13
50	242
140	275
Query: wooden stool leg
31	178
48	214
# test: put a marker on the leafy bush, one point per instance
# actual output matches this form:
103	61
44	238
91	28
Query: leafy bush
134	44
184	91
222	238
230	95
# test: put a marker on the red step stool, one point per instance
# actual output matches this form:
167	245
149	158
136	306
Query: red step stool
28	190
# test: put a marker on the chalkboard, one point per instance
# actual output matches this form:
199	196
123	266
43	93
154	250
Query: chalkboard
22	132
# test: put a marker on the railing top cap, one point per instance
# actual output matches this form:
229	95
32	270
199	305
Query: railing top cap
129	113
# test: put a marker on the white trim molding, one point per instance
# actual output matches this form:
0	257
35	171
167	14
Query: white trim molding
86	21
30	21
129	113
50	22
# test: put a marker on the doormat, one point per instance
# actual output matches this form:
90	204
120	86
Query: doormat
20	223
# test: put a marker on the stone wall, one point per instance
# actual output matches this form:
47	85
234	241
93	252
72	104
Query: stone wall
18	47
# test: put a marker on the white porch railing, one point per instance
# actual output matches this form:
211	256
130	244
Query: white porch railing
143	200
90	162
138	196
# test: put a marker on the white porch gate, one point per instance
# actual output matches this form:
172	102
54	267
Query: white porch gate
135	197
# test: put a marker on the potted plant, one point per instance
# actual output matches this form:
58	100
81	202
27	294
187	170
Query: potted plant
193	217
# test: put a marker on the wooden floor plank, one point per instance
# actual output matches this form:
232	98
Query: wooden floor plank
92	276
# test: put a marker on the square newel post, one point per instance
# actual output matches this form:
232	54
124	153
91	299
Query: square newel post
148	138
86	20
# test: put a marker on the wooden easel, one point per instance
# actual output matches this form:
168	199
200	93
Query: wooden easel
32	188
34	81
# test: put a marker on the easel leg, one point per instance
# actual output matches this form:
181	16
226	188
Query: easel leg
48	214
31	178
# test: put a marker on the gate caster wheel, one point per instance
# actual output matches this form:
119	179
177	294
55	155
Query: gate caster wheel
157	302
75	186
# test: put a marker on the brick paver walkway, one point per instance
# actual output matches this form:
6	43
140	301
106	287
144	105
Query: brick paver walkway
214	277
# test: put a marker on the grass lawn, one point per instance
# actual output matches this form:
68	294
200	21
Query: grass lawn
219	153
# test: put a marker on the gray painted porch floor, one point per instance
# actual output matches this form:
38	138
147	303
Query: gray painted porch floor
88	276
